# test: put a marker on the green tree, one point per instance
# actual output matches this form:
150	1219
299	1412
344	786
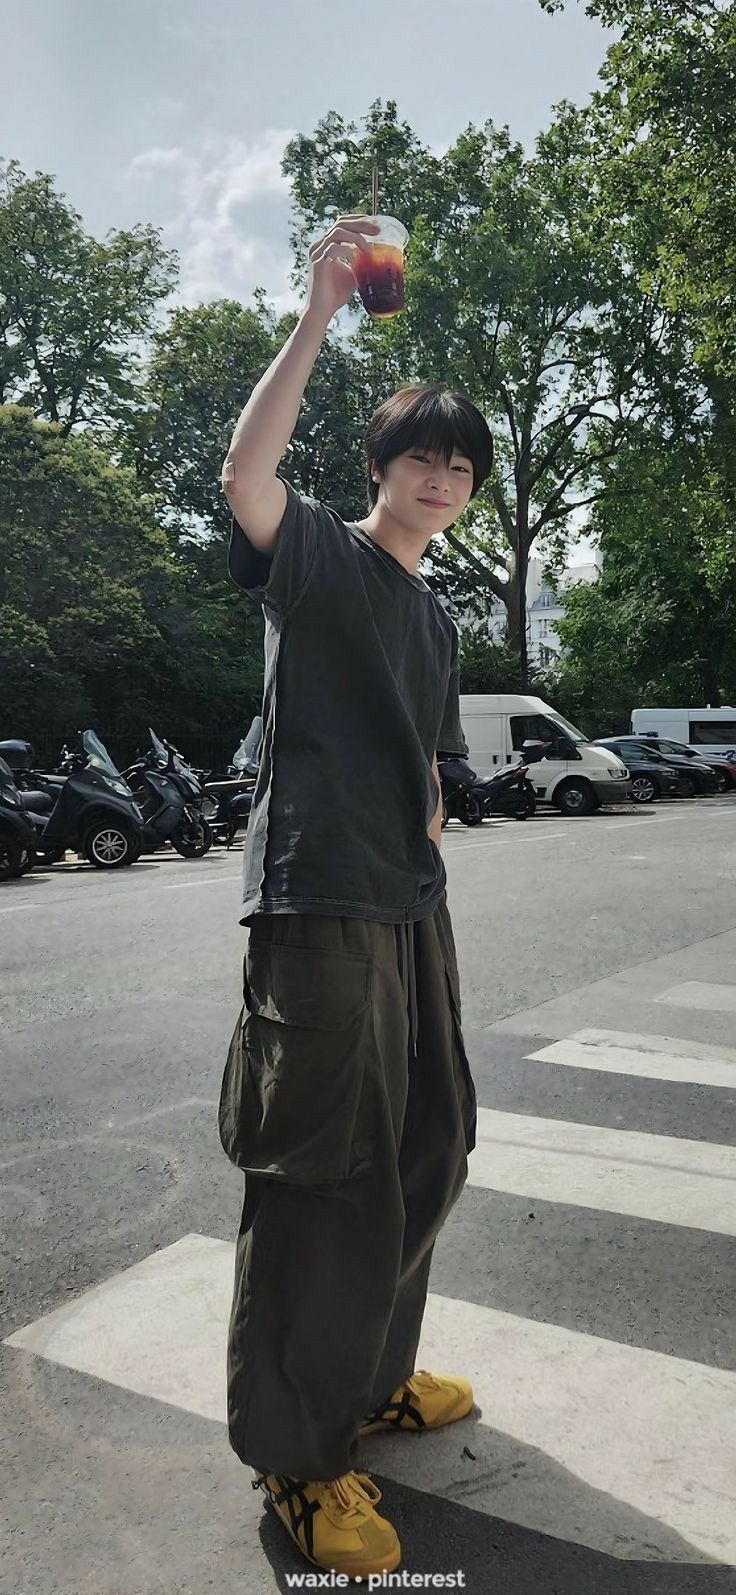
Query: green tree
99	621
660	626
486	666
665	119
515	294
73	311
202	367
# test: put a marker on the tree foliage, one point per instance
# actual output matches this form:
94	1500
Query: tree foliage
98	622
202	368
517	295
72	310
660	625
665	121
582	294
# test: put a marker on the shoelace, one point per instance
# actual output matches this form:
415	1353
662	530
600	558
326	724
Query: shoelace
347	1491
351	1489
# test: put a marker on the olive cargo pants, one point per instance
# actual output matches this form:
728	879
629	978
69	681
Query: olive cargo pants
347	1100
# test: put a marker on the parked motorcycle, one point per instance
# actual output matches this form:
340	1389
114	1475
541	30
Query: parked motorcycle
170	795
87	806
17	831
459	798
471	798
507	791
229	798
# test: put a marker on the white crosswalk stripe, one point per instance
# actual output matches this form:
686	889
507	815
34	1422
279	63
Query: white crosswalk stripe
649	1057
663	1178
711	997
618	1447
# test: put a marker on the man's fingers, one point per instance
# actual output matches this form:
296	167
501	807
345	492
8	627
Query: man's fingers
344	232
339	237
360	224
336	250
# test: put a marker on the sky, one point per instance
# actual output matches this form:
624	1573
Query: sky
176	112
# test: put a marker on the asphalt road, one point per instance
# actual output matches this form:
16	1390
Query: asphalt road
586	1277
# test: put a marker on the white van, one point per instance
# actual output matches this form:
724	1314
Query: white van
576	778
711	731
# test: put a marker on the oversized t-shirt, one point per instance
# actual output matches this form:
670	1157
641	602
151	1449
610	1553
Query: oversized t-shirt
361	689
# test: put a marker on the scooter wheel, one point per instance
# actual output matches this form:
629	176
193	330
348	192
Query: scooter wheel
12	853
192	842
109	845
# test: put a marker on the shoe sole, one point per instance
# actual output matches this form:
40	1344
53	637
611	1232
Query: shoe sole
387	1427
384	1566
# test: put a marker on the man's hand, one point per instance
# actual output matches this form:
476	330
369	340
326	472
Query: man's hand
331	280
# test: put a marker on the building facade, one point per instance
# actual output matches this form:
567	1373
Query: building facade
544	609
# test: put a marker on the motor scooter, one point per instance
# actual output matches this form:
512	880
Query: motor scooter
507	791
229	798
472	798
170	795
17	831
88	808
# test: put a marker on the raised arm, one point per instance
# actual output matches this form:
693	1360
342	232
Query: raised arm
263	431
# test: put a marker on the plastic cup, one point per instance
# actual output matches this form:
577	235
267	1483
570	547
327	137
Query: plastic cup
379	267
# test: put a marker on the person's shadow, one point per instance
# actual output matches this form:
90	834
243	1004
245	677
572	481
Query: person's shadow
446	1534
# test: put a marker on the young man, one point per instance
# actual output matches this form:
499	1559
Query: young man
347	1097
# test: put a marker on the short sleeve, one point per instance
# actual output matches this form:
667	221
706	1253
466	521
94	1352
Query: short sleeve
451	741
278	579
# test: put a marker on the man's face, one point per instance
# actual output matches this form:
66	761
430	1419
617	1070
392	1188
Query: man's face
423	493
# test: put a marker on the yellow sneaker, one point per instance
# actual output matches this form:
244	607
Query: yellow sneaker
335	1524
426	1401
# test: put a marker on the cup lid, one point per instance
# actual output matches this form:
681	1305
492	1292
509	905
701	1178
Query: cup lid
391	228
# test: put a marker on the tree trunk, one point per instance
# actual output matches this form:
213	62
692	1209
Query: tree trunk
515	600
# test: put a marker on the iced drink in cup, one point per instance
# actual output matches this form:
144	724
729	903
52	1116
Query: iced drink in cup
379	267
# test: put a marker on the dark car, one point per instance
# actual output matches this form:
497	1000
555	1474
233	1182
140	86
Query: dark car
651	775
723	769
697	779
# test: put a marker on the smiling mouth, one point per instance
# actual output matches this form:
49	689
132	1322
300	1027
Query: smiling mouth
433	504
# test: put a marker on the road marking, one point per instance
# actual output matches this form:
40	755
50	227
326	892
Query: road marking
711	998
644	1057
18	908
207	880
42	1151
665	1179
629	1451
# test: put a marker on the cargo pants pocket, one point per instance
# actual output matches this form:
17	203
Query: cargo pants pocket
294	1103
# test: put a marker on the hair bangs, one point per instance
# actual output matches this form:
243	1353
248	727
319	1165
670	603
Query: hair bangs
439	421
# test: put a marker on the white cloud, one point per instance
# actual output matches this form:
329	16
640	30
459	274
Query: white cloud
224	206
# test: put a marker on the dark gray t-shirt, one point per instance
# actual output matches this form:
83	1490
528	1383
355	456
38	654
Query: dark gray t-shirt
361	690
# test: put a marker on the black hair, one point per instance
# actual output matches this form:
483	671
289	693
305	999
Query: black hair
436	419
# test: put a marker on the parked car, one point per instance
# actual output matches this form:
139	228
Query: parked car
723	769
651	775
696	778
